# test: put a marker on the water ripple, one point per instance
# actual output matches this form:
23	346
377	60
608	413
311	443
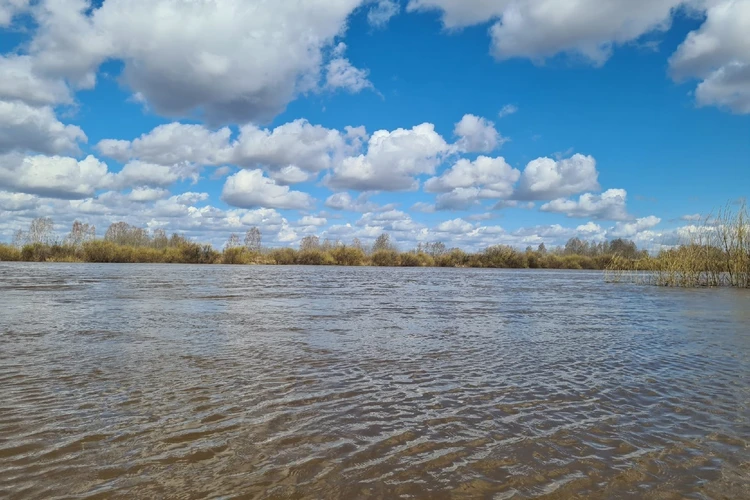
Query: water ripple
263	382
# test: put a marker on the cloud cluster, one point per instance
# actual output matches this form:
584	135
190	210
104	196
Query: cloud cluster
187	58
718	53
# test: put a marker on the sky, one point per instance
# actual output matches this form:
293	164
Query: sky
471	122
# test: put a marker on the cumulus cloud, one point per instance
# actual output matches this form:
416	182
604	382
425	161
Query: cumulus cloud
455	226
538	29
309	220
9	8
141	174
631	229
251	189
477	135
546	179
15	202
143	194
392	161
203	69
493	178
27	128
341	74
291	175
19	81
54	176
382	12
718	53
610	205
344	201
311	148
172	143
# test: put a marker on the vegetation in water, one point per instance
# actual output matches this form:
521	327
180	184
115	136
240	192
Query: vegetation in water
716	253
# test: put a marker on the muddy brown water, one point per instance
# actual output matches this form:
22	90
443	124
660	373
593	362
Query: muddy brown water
158	381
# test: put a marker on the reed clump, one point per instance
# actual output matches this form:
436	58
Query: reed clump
716	253
9	253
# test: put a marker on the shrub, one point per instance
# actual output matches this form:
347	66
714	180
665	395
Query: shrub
385	258
9	253
283	256
348	256
314	258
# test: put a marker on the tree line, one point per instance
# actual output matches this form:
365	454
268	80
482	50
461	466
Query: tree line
125	243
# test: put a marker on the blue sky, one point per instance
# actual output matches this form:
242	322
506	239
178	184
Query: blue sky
468	122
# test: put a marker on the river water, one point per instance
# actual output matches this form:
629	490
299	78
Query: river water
168	381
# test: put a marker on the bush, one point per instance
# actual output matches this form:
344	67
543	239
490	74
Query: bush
283	256
9	253
416	259
348	256
314	258
385	258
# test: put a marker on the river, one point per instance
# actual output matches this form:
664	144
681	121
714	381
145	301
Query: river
171	381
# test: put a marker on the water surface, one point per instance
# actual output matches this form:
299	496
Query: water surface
156	381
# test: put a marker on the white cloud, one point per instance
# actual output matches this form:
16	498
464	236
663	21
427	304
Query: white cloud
589	228
455	226
340	74
508	109
719	54
54	176
311	148
291	175
309	220
142	194
251	189
382	12
9	8
392	161
546	179
141	174
26	128
610	205
344	201
631	229
232	60
692	217
173	143
493	175
374	223
19	81
477	135
538	29
15	202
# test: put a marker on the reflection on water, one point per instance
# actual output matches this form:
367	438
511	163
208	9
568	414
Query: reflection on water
265	382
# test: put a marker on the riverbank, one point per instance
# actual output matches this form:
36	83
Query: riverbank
340	255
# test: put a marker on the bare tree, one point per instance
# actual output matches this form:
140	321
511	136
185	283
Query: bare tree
382	242
253	239
159	240
309	243
20	238
40	231
80	233
123	233
435	249
233	241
